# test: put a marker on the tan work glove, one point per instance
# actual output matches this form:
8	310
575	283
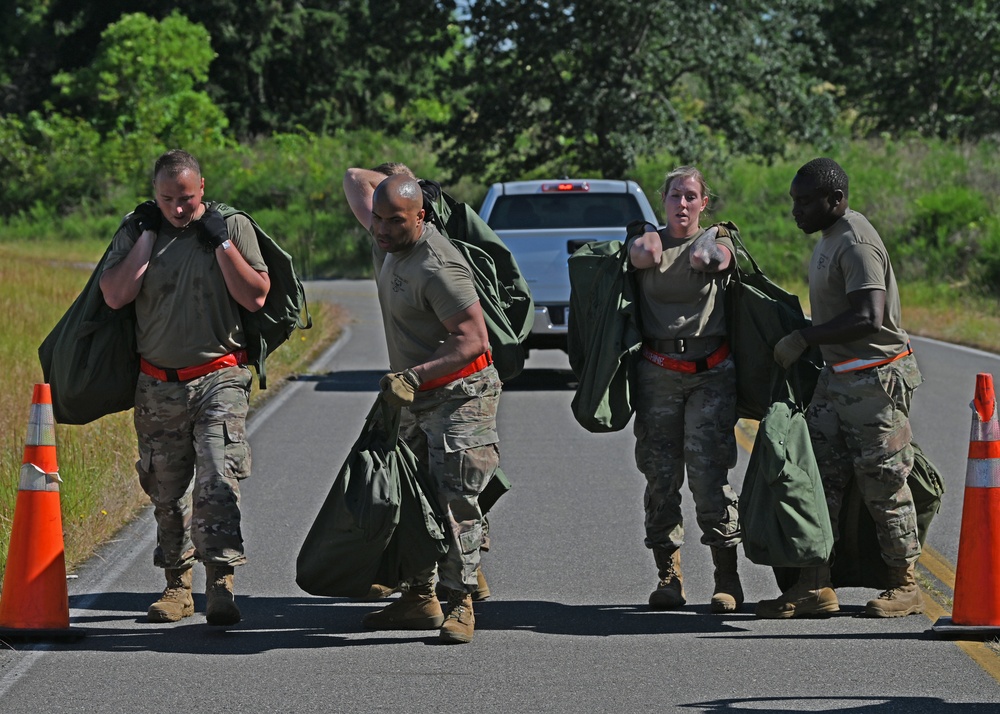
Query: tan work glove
789	349
399	388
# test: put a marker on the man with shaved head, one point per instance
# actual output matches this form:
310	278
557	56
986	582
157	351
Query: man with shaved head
441	374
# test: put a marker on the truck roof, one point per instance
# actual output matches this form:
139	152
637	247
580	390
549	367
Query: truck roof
577	184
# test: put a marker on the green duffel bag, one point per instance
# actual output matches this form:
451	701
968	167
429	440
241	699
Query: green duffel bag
783	511
857	558
604	339
759	312
377	524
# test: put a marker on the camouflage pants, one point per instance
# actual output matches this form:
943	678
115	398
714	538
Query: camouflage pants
687	420
192	454
453	430
860	428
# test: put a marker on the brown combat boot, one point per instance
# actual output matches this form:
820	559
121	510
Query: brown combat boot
460	622
220	608
728	595
902	598
176	601
481	592
669	593
380	592
416	609
810	596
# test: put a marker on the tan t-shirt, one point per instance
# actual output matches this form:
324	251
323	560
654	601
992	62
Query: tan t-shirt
850	256
418	288
184	313
677	301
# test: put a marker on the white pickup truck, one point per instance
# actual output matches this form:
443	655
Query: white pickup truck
544	222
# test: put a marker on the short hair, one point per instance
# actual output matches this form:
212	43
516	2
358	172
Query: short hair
685	172
826	173
174	163
391	168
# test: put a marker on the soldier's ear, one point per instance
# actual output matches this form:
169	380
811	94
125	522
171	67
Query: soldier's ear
835	198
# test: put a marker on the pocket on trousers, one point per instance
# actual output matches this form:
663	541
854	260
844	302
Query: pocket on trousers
471	539
237	451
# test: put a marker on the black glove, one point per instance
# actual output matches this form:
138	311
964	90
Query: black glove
212	228
147	216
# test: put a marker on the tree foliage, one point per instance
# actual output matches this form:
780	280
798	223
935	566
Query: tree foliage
507	88
144	83
924	66
138	96
592	84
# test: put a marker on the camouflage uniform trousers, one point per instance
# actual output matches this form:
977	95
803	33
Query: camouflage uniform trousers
193	452
453	430
687	419
860	428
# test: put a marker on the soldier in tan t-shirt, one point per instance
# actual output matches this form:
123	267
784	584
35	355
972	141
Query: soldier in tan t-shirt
442	375
859	414
685	390
188	271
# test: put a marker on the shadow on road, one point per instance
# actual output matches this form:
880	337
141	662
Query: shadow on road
274	623
366	380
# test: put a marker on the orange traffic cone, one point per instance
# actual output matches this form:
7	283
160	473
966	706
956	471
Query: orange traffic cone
35	602
976	606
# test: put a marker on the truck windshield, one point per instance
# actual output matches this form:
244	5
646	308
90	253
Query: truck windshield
564	210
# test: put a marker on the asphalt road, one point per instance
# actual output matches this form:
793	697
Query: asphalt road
567	628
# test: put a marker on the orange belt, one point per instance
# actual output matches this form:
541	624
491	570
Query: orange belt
164	374
854	365
481	362
690	366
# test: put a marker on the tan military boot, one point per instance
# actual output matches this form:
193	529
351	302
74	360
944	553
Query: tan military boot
176	601
902	598
728	596
380	592
460	622
481	592
220	608
669	593
810	596
416	609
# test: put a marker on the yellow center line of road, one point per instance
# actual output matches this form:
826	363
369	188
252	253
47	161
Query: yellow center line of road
941	569
935	563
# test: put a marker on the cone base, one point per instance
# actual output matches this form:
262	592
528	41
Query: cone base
13	634
946	626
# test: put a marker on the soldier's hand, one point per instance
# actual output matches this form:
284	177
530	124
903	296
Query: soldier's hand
789	349
706	249
212	228
399	388
147	216
650	244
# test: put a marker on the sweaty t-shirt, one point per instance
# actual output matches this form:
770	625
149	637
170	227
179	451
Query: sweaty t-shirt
677	301
418	288
184	313
849	257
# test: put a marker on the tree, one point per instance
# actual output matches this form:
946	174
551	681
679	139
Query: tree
25	58
927	66
334	64
141	91
139	96
588	86
284	66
